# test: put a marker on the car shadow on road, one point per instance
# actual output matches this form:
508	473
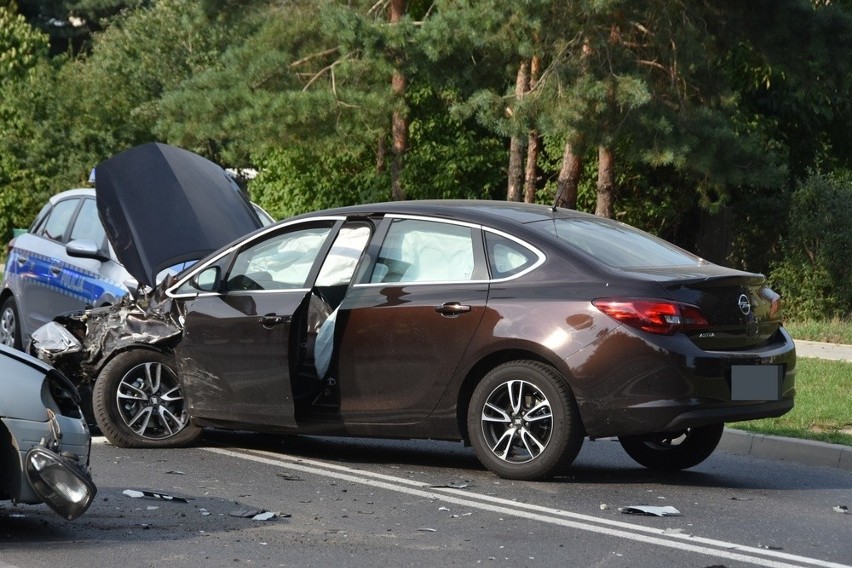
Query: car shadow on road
600	463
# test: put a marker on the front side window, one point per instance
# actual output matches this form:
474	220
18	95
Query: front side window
280	262
426	251
87	225
60	216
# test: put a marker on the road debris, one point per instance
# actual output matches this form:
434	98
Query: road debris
843	509
451	485
257	514
136	494
289	476
648	510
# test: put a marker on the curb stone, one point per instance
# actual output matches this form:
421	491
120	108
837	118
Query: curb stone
805	452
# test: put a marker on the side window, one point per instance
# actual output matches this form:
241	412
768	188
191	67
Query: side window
88	225
507	257
57	221
426	251
342	258
280	262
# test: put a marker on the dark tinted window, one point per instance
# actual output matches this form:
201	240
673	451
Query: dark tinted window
507	257
616	244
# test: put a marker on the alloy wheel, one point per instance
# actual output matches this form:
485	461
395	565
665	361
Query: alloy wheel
150	401
8	326
517	421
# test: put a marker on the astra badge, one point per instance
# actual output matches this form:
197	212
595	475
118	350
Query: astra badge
744	304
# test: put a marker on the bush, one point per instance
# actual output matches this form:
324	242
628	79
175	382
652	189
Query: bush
815	274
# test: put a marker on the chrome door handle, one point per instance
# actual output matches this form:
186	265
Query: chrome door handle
452	309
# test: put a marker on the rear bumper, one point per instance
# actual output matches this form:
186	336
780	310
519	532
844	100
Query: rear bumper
668	384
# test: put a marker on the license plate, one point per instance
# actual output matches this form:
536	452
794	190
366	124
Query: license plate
756	382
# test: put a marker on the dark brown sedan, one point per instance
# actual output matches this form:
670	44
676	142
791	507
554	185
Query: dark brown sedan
521	329
518	328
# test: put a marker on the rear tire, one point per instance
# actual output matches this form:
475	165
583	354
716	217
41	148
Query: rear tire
523	421
673	451
138	402
10	325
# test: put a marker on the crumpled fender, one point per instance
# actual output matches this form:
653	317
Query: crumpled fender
103	332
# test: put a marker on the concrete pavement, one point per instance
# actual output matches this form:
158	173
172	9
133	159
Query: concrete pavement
806	452
833	351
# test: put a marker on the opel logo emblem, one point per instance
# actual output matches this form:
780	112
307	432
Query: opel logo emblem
744	304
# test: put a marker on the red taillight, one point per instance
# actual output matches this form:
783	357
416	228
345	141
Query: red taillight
662	317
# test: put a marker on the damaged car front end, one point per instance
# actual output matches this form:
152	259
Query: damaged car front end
80	344
44	440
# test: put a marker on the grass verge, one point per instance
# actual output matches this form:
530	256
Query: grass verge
832	331
823	408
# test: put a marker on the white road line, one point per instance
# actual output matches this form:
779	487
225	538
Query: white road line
618	529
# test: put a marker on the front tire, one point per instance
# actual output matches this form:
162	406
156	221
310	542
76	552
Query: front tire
10	325
523	421
675	450
138	402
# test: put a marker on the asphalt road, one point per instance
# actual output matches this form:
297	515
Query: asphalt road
369	503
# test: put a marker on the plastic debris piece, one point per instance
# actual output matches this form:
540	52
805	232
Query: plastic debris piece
136	494
176	472
427	529
769	547
451	485
667	511
443	509
604	506
843	509
245	513
676	531
265	516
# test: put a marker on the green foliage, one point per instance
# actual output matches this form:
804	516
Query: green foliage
296	180
815	275
449	158
823	399
20	45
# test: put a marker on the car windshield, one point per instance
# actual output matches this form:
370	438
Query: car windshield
615	244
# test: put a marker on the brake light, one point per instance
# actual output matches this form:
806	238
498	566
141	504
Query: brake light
662	317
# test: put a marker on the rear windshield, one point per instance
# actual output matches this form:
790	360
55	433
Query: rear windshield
616	244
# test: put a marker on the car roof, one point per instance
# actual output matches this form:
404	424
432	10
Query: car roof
482	211
76	192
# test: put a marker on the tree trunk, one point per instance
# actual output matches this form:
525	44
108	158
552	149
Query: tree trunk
606	182
531	175
516	144
399	122
569	178
533	142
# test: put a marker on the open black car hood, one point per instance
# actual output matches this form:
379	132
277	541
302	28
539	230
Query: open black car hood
161	206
